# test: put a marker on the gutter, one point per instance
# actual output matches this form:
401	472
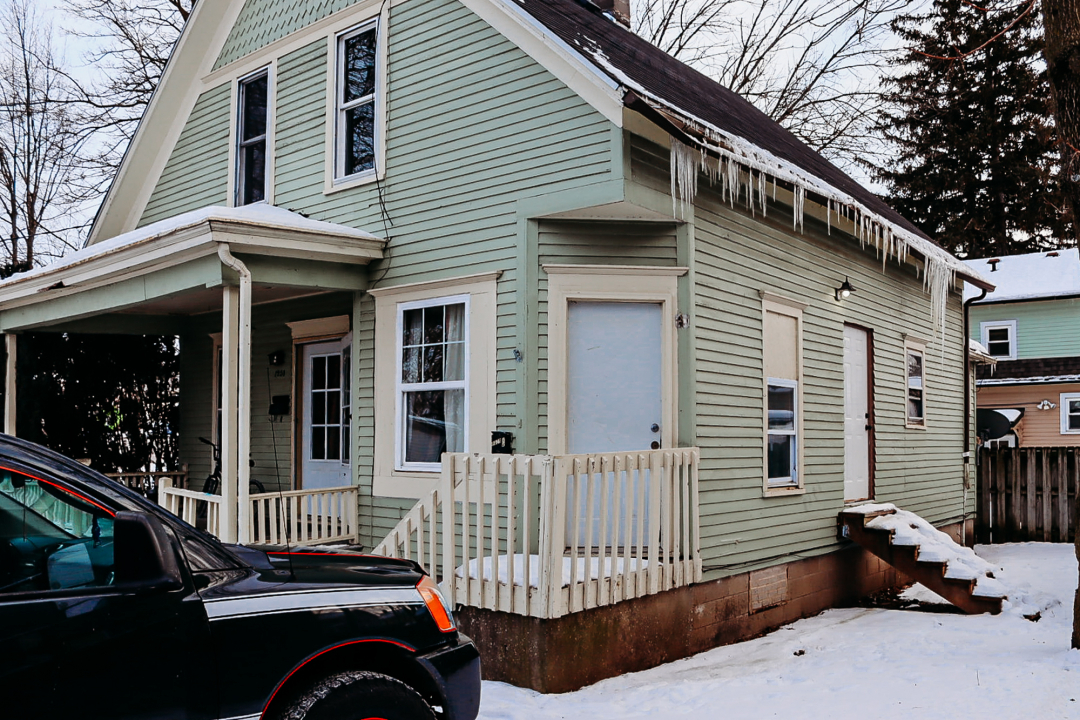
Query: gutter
243	400
967	377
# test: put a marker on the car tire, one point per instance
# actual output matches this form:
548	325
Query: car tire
359	695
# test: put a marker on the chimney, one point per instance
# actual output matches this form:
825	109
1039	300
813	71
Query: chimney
619	9
993	263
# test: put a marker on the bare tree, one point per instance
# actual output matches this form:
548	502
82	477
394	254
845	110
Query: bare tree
134	40
812	65
43	181
1061	34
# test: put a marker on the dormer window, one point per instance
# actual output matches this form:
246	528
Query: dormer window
355	135
251	157
1000	339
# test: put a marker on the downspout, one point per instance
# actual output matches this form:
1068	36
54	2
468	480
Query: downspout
967	407
243	400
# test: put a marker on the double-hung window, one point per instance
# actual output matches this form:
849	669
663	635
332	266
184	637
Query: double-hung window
1070	413
782	344
1000	339
251	156
356	121
432	382
916	384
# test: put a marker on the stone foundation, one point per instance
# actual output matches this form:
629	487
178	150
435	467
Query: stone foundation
554	656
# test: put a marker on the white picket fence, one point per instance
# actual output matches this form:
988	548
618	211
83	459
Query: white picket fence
304	517
544	536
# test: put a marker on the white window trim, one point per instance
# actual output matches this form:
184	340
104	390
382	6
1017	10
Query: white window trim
916	346
1010	325
794	309
401	388
270	69
334	140
789	481
1063	404
388	480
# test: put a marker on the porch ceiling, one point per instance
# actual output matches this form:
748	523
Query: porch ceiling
172	268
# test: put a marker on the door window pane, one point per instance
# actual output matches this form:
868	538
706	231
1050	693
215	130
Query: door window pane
325	401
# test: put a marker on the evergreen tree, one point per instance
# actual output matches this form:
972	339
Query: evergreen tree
970	116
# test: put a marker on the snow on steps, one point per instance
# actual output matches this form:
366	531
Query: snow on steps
925	554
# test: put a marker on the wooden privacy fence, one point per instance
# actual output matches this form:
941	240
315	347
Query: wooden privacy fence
544	536
1027	494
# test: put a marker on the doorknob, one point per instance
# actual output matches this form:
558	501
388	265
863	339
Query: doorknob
655	428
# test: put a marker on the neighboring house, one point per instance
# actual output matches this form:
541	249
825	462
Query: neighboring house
384	231
1031	325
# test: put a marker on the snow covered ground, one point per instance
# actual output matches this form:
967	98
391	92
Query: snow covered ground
871	664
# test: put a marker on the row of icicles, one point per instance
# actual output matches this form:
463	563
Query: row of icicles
733	172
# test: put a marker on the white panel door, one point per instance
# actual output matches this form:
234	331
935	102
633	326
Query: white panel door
857	419
614	393
324	436
614	399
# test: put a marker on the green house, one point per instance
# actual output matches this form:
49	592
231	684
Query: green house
499	286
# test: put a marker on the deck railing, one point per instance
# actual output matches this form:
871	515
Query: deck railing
200	509
146	483
304	517
544	536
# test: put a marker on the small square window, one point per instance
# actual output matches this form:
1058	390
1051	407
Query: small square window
252	126
1070	413
1000	339
355	136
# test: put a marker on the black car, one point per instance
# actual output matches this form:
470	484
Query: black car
110	607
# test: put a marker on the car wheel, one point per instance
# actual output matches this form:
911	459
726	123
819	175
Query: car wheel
359	696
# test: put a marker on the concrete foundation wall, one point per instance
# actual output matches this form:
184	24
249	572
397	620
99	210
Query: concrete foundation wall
554	656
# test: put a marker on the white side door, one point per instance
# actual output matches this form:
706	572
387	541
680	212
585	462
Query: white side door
325	422
857	420
614	396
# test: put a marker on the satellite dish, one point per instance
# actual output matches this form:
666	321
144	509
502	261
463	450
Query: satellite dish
991	425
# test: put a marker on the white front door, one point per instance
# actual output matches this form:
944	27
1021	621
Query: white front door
324	437
857	420
614	398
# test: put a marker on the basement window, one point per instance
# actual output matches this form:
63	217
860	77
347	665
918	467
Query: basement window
251	138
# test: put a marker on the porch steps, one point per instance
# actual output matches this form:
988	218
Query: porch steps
924	554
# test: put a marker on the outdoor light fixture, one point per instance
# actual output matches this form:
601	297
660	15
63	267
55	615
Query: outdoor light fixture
844	290
1046	405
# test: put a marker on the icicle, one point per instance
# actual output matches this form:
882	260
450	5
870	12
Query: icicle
684	174
733	181
762	184
828	215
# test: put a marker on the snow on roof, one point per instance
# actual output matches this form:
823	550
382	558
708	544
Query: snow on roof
977	347
1039	380
259	214
1029	276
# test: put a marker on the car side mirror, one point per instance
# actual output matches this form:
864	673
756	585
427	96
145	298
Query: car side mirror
143	553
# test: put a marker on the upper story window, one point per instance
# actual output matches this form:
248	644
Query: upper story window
1000	338
252	122
915	354
356	126
432	381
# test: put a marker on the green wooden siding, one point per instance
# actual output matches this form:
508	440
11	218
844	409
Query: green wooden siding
1044	328
197	173
262	22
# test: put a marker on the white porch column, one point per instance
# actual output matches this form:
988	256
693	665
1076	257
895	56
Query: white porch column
240	392
230	350
11	343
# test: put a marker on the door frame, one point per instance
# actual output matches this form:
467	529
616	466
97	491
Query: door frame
871	437
610	283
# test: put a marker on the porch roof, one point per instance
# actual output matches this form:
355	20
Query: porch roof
169	267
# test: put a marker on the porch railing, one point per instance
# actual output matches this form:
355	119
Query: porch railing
200	509
304	517
544	536
146	483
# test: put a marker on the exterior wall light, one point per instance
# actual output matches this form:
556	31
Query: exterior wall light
844	290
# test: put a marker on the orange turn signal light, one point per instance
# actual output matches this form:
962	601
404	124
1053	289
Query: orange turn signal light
436	604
